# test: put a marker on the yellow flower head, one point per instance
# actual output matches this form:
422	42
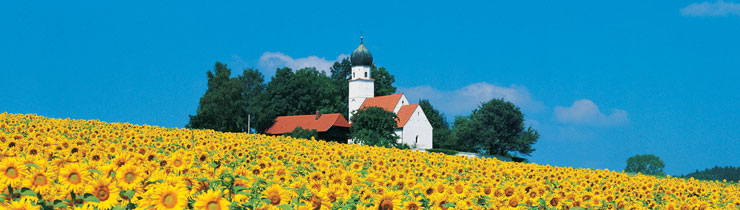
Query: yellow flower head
211	200
166	196
277	195
12	173
105	190
73	177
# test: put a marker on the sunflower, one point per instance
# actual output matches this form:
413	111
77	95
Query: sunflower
105	190
179	163
277	195
165	196
12	173
438	200
129	177
73	177
388	200
412	205
22	204
318	202
211	200
39	180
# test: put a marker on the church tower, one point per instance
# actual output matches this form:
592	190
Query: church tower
361	84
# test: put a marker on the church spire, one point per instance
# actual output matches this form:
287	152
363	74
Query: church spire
361	56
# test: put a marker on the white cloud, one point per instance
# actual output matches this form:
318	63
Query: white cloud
718	8
464	100
270	61
585	112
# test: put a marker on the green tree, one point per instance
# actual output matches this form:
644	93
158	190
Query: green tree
340	75
225	104
253	83
442	135
496	127
646	164
374	126
303	92
299	132
383	81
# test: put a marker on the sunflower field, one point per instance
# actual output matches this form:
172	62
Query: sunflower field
50	163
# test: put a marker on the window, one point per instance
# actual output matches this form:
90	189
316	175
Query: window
365	74
353	75
417	140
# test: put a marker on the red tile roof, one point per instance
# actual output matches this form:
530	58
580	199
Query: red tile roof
386	102
286	124
404	114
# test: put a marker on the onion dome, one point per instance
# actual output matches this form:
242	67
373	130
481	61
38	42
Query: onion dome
361	56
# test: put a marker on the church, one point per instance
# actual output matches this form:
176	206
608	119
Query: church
413	127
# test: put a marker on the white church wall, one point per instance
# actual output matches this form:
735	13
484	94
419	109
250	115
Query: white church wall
401	102
359	90
418	126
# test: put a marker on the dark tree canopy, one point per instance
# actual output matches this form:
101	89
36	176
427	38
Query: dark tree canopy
440	127
727	173
340	74
225	105
374	126
301	133
303	92
646	164
383	81
496	127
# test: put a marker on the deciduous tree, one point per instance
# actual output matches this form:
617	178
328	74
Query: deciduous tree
374	126
646	164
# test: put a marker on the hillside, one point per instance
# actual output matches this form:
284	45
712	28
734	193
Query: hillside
60	163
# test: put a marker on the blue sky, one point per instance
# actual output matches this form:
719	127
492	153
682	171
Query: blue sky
600	81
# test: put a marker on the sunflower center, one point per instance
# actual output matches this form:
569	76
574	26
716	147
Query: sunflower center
202	158
332	197
274	199
412	206
385	205
315	202
177	163
103	193
442	205
11	172
459	189
39	180
212	206
74	178
129	177
170	200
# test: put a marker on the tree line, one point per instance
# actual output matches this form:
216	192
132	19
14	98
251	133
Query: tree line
729	173
496	127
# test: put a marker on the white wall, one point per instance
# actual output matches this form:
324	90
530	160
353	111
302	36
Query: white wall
418	125
401	102
360	88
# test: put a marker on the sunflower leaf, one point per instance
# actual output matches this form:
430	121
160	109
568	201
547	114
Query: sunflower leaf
32	165
285	207
28	192
90	198
59	204
448	205
239	188
577	208
95	171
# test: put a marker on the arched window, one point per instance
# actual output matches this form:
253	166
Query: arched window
365	74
